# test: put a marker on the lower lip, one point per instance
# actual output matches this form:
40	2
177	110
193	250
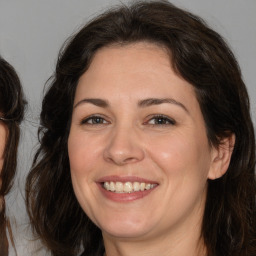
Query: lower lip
125	197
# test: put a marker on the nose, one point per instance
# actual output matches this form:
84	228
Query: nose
124	147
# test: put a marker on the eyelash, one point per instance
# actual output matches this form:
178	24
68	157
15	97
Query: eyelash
167	120
89	119
101	120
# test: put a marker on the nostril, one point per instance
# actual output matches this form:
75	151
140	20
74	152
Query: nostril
130	159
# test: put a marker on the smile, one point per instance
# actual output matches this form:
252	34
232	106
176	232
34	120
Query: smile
127	187
123	189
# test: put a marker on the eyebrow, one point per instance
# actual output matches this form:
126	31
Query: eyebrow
142	103
157	101
97	102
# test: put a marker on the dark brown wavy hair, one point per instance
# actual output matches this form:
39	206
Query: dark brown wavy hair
12	106
201	57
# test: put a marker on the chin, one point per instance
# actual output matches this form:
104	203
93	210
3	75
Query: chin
125	231
125	228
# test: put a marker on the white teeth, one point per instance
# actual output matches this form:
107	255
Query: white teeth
106	185
119	187
148	186
112	186
127	187
136	186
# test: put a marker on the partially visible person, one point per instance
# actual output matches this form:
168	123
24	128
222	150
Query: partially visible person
12	104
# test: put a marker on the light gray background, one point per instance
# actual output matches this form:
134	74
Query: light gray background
31	34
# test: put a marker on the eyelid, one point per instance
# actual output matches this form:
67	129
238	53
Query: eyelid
169	120
85	120
155	116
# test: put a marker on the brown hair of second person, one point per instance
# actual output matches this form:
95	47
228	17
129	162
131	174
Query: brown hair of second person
12	106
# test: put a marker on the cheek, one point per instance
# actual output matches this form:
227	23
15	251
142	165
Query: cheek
182	157
184	162
3	135
82	160
82	154
79	156
2	139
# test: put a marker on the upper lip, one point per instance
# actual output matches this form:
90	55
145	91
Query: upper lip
116	178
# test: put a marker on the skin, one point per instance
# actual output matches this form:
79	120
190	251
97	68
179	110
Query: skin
3	135
129	140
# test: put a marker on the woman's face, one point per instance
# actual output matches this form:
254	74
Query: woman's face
138	150
3	134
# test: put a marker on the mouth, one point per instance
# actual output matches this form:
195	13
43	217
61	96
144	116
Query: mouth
127	187
123	189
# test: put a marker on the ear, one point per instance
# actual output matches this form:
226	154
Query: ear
221	156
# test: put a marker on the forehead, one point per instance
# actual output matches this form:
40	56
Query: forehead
135	70
138	60
128	57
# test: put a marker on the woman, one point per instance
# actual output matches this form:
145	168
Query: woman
12	105
147	145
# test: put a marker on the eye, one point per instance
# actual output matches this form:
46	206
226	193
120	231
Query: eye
94	120
161	120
